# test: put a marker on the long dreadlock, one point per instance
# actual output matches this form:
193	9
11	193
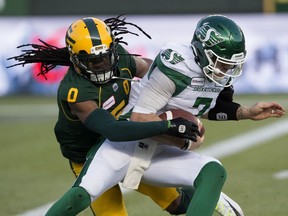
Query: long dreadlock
50	56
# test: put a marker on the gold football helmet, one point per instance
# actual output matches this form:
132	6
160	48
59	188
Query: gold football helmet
92	49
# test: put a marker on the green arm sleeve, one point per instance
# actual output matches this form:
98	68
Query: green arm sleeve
102	122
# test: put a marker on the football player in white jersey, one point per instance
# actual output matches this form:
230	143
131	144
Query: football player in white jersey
198	78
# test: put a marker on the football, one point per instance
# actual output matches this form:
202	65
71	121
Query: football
175	113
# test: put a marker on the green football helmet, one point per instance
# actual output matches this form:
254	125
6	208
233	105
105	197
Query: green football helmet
219	46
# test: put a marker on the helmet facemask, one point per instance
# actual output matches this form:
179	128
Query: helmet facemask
223	71
100	65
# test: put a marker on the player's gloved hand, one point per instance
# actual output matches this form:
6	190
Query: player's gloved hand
180	127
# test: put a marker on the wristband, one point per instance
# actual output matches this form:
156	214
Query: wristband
187	144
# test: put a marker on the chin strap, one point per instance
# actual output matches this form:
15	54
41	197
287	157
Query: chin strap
196	58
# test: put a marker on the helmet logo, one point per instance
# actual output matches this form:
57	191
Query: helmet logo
209	36
171	56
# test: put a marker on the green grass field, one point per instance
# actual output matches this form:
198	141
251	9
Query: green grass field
34	173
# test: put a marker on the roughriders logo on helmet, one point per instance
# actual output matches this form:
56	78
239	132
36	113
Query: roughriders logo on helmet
209	35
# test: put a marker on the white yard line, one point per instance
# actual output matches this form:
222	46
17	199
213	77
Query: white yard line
281	175
218	150
247	140
40	211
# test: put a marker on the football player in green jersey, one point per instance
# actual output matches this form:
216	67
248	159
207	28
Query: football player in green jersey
99	76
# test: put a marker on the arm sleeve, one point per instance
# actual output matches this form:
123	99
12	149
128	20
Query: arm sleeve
225	108
155	94
102	122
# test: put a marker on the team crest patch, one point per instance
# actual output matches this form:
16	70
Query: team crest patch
208	35
172	56
115	87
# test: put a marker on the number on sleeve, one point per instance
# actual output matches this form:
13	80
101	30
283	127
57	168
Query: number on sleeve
126	87
72	95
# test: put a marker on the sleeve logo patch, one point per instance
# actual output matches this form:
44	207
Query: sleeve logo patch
172	56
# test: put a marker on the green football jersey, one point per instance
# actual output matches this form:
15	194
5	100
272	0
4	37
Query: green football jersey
74	138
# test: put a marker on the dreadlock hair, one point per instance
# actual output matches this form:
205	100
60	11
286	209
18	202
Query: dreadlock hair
50	56
119	26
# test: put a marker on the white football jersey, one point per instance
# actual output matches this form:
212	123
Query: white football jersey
174	81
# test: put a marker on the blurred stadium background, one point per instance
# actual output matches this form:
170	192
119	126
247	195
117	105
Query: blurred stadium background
34	173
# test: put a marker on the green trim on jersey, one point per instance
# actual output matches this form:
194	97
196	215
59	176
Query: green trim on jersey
181	81
74	138
90	157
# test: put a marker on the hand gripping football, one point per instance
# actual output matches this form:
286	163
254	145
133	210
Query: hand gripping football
175	113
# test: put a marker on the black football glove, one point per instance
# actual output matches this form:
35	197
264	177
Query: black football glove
182	128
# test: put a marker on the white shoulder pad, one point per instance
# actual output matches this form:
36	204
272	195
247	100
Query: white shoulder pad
179	57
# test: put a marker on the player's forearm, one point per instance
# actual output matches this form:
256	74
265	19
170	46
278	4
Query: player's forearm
102	122
243	112
168	140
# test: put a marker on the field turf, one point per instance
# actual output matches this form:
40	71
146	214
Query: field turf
34	173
